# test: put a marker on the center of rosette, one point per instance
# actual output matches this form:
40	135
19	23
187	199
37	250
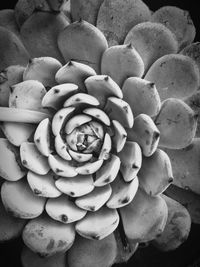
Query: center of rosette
86	138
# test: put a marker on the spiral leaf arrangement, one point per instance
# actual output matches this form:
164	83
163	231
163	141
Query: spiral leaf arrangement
99	129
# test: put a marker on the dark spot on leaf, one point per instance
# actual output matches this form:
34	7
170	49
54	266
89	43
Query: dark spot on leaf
170	180
60	117
106	78
56	91
24	162
125	108
64	218
152	84
61	243
37	140
37	192
50	245
40	231
72	193
42	255
58	170
134	166
107	180
92	208
125	200
129	45
95	237
158	235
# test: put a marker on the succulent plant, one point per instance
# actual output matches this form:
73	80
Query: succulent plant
94	131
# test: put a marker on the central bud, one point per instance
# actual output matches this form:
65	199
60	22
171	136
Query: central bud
87	138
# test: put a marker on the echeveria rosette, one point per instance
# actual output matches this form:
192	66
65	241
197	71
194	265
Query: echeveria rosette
72	158
88	150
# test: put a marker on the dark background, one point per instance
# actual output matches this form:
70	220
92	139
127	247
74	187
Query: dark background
188	254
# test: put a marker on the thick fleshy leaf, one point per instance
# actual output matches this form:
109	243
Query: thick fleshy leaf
31	259
177	124
60	118
145	217
17	132
145	133
47	237
9	76
90	167
115	26
142	37
32	159
80	157
95	199
98	114
86	10
102	87
97	128
155	174
108	172
43	185
131	160
118	109
76	121
57	95
90	44
185	165
42	137
120	62
42	69
188	199
194	102
120	135
19	199
192	50
10	169
61	147
39	36
81	99
122	192
178	21
76	186
75	72
27	95
142	96
177	227
61	167
10	227
106	147
99	224
95	253
12	49
175	76
64	210
126	248
22	115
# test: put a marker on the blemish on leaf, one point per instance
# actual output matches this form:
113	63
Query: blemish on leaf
56	90
24	162
64	218
50	245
